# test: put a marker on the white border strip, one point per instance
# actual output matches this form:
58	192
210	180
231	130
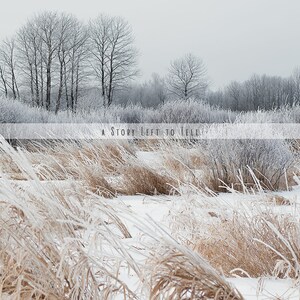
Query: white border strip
123	131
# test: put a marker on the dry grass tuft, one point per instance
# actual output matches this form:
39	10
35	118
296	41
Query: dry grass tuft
139	179
278	200
94	180
177	272
177	276
109	155
89	163
263	244
148	145
8	167
54	246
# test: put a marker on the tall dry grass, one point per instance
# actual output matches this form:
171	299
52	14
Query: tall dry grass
56	244
177	272
105	168
60	239
57	247
109	168
262	244
256	238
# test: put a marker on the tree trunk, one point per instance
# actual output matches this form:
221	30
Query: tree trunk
76	87
42	85
57	107
4	82
37	91
48	87
66	86
31	83
13	87
72	87
110	87
103	80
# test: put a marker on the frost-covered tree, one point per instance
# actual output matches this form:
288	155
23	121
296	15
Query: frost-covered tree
187	77
30	58
3	82
72	51
8	67
114	55
51	50
158	86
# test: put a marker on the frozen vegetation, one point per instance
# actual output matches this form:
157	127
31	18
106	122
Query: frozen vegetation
158	219
150	220
176	111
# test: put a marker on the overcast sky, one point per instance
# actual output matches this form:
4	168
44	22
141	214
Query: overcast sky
235	38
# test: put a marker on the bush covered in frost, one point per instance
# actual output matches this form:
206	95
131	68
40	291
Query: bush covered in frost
244	164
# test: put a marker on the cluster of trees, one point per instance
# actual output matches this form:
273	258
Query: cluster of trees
259	92
186	79
55	59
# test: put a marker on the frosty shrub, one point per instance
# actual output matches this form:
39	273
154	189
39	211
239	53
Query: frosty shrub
132	114
248	163
191	111
175	111
12	111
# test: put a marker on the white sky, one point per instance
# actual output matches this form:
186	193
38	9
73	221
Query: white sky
235	38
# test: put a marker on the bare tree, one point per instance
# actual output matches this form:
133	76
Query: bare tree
66	29
235	93
115	57
187	77
8	62
258	92
30	49
52	48
99	36
48	24
296	83
159	88
77	58
3	81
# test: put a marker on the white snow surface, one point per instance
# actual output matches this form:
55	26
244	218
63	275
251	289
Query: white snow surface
159	209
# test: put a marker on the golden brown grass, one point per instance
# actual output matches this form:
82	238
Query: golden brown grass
44	235
65	242
178	276
278	200
8	167
107	167
262	244
177	272
139	179
91	164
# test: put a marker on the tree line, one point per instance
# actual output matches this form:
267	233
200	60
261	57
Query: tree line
55	59
259	92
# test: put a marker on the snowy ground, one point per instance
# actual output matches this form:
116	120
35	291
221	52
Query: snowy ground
164	209
159	208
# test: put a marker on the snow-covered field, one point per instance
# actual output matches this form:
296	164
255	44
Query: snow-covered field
160	208
126	222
